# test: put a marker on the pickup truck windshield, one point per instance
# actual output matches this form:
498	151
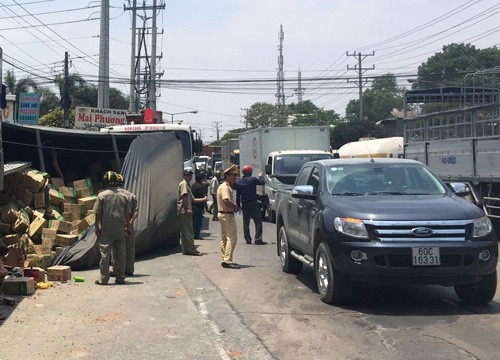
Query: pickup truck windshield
290	164
378	179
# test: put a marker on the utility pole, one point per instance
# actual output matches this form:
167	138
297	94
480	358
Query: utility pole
103	81
299	91
66	100
133	100
216	123
360	70
280	81
143	58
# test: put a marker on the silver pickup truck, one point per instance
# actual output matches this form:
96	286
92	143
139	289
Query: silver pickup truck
384	221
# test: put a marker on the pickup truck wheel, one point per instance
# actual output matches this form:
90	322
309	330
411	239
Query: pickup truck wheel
334	288
479	293
289	264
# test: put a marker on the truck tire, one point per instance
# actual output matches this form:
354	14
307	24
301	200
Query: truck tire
334	288
271	215
480	293
289	264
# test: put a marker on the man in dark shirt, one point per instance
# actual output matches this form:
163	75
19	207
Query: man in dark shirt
246	198
198	190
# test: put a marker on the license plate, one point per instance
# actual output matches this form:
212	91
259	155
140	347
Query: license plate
425	256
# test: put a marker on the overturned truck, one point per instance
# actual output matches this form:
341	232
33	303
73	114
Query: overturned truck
151	163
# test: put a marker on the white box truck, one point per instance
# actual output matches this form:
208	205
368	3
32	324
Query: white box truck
279	153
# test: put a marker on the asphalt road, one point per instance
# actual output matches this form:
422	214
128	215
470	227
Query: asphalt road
181	307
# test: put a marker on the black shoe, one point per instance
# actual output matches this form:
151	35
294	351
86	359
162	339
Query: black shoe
230	266
120	282
260	243
249	242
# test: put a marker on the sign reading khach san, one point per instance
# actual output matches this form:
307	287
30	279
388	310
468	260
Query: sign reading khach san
87	118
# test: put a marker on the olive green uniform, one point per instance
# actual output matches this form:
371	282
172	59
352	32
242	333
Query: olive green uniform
185	220
113	206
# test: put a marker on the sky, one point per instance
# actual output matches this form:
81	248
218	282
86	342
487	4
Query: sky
206	45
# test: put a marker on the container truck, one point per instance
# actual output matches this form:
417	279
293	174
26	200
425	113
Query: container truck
461	144
279	153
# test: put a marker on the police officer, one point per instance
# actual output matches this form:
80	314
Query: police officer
112	223
227	208
246	197
129	239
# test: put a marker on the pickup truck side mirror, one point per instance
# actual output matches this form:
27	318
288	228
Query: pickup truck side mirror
460	189
304	192
268	169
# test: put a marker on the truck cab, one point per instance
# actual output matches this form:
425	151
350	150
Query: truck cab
281	170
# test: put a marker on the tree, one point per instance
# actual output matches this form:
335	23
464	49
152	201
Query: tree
305	113
449	67
378	101
232	134
261	114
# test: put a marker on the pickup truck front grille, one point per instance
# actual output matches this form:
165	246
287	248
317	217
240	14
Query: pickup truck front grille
419	231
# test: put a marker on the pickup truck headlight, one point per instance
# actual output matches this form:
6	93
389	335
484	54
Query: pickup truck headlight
351	227
482	227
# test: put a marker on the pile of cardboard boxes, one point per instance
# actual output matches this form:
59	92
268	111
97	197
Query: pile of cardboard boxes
39	216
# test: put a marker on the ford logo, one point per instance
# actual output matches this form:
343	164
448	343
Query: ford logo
422	231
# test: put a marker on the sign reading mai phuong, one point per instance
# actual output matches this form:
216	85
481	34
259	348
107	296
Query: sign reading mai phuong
29	108
87	118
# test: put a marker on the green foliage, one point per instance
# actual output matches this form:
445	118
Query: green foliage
262	114
353	130
378	101
449	67
232	134
305	113
56	118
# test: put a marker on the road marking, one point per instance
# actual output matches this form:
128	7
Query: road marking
202	309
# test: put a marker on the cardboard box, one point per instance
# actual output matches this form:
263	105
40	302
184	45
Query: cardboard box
82	184
60	226
27	198
54	214
39	249
70	200
15	257
88	201
40	200
67	216
59	273
5	228
19	286
48	240
42	260
27	244
57	182
68	191
22	223
37	273
82	193
35	181
55	197
39	212
11	239
65	239
36	226
9	213
79	211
